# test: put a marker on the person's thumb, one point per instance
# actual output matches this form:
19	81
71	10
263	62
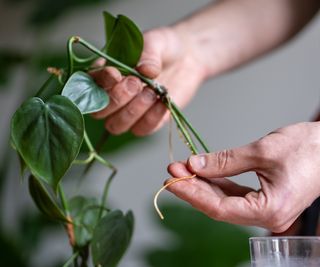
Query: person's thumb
224	163
150	63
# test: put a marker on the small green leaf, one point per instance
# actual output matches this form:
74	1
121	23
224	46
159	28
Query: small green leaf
48	136
85	212
85	93
111	238
124	39
43	200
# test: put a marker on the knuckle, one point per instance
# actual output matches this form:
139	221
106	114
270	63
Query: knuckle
265	151
150	36
261	147
112	72
222	159
133	84
258	203
116	99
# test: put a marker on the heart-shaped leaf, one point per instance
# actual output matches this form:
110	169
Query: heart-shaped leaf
111	238
124	39
85	213
85	93
43	200
48	136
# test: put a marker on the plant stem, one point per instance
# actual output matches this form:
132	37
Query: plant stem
63	199
85	161
102	140
84	60
189	125
88	142
70	55
184	132
108	183
45	85
107	164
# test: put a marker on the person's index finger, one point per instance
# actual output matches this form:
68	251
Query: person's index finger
106	77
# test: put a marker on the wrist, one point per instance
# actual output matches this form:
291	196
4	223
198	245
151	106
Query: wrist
190	49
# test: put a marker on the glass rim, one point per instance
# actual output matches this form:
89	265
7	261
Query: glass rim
267	238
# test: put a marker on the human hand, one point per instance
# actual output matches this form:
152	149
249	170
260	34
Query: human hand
287	164
166	57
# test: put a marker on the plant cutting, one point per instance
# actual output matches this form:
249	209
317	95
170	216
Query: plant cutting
48	131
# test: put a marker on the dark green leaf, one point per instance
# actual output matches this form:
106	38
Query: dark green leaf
43	200
11	253
9	58
48	136
111	238
85	93
124	39
85	212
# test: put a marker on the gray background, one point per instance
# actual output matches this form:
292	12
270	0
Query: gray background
230	110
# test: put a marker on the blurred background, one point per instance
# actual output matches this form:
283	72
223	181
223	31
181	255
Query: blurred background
230	110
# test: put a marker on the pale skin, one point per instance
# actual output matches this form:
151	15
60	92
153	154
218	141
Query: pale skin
222	36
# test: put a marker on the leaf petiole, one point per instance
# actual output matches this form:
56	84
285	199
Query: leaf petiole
89	159
45	85
63	200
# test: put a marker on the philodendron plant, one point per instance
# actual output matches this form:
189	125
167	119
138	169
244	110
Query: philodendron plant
48	130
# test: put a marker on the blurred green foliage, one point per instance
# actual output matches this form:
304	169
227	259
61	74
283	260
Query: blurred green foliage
8	60
198	241
17	245
16	248
43	12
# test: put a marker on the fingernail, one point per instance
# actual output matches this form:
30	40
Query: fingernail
132	86
197	162
149	96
